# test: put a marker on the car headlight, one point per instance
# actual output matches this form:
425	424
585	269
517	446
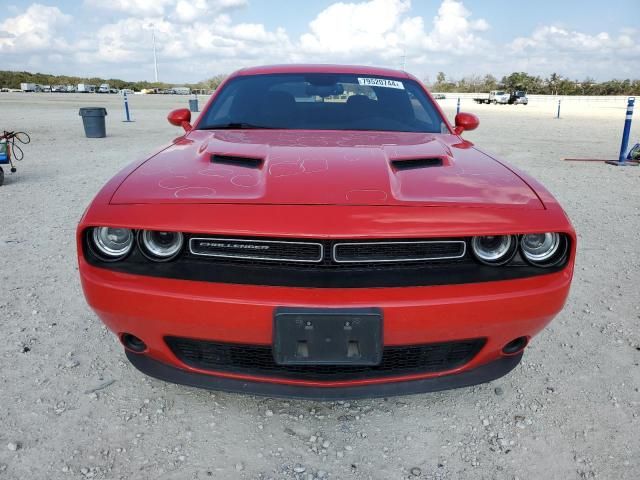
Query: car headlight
543	249
160	246
112	243
494	249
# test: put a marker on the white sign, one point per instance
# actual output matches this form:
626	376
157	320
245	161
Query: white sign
381	82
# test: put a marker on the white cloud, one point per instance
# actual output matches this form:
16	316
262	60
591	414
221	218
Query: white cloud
382	31
132	7
453	31
347	28
37	29
199	38
550	38
555	48
179	10
187	11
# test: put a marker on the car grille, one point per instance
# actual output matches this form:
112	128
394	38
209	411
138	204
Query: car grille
327	252
251	249
357	252
258	360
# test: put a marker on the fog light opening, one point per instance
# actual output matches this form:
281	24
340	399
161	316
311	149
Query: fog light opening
133	343
515	346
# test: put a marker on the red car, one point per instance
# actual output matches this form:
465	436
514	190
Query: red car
324	232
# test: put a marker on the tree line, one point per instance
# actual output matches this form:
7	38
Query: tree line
12	79
554	84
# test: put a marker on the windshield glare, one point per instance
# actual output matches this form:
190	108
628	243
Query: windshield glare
319	101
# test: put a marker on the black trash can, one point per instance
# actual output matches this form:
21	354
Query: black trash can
93	121
193	104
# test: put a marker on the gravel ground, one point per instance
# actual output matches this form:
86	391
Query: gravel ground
72	407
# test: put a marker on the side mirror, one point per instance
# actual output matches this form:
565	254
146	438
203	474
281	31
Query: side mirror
180	118
466	121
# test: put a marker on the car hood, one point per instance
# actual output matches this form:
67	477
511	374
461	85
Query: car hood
325	168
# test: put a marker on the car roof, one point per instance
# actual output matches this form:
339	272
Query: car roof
322	68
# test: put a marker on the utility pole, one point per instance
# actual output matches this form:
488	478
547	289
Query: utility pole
155	57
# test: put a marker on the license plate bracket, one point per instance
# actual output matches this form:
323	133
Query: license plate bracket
327	336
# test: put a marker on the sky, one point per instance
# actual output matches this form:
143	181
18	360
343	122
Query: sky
197	39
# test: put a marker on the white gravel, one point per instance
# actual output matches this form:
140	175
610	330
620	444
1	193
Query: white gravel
72	407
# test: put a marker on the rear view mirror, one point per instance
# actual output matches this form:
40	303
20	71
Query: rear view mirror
180	118
325	90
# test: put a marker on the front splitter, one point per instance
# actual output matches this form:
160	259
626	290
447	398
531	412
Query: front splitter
482	374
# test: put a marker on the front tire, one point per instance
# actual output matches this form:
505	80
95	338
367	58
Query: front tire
1	176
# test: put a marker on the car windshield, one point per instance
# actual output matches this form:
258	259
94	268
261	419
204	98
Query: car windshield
500	93
320	101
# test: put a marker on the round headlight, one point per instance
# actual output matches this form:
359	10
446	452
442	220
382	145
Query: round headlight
494	249
161	245
112	243
541	249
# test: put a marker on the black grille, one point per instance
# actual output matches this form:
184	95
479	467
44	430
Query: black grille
327	252
258	360
398	251
251	249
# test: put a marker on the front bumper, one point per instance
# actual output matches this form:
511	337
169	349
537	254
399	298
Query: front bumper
481	374
154	308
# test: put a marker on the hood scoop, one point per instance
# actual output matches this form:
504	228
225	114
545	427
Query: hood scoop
237	161
414	163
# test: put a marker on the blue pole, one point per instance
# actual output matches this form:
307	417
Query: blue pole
458	109
126	107
627	129
558	116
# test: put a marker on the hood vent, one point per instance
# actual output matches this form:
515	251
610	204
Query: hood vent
246	162
413	163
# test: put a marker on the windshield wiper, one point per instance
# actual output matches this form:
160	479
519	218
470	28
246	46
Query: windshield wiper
236	126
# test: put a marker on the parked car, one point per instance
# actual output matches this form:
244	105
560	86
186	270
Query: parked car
103	88
324	250
181	90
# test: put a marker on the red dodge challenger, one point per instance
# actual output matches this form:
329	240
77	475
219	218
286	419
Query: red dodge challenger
324	232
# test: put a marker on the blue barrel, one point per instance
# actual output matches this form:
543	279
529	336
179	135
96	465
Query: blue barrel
4	154
93	121
193	104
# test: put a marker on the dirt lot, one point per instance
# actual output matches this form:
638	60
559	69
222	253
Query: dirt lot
72	407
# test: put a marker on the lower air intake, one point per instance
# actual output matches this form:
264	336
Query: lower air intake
258	360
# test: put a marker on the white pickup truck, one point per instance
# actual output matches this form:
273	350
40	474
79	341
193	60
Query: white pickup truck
503	98
499	96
